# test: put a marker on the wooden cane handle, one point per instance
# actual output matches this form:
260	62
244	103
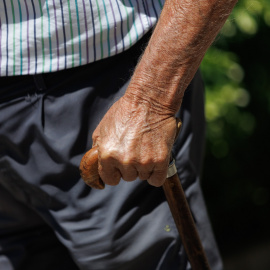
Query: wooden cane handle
89	169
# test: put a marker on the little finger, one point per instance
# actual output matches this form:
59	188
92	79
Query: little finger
158	177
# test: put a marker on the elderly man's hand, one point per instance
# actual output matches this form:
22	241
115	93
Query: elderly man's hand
134	139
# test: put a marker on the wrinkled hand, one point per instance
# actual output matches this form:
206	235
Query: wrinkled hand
134	140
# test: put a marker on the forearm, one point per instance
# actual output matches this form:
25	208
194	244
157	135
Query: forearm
136	135
183	34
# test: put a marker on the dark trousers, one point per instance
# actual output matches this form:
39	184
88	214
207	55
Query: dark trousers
49	219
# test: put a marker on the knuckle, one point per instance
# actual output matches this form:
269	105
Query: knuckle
162	159
161	162
127	158
106	159
145	163
107	156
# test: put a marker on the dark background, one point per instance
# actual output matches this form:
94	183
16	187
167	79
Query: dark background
236	173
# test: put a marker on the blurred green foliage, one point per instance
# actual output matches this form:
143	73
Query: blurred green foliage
236	177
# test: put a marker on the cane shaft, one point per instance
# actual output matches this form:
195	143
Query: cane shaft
185	223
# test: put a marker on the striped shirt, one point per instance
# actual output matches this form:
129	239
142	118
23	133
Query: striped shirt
38	36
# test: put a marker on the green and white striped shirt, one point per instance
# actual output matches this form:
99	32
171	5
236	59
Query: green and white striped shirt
38	36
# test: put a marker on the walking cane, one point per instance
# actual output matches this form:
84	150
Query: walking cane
176	200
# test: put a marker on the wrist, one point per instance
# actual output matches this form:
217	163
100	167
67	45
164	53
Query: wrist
157	85
154	98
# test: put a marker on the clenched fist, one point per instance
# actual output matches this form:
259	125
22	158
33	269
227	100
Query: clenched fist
134	140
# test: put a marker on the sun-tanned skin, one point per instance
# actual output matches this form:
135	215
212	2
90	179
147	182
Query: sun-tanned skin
136	135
